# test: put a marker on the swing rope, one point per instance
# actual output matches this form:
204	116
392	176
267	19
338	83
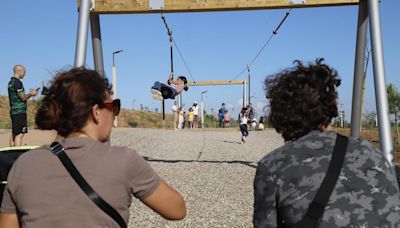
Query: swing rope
183	60
169	31
172	41
274	32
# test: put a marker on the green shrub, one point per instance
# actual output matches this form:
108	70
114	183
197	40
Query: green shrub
5	124
132	123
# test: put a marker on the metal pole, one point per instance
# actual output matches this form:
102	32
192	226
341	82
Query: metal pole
363	86
171	51
82	34
180	99
359	69
113	62
175	114
202	111
96	43
114	82
382	106
248	70
341	119
114	88
244	93
163	111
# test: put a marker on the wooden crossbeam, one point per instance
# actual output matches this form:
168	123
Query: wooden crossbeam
216	82
144	6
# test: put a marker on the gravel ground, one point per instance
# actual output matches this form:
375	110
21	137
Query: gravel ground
210	168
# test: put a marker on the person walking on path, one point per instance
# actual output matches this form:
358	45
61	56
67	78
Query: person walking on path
190	117
227	119
175	111
40	192
243	118
18	105
181	118
290	185
221	113
251	114
261	123
195	108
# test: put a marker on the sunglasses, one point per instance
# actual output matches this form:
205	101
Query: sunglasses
113	105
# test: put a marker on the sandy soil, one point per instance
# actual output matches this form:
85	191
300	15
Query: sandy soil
32	138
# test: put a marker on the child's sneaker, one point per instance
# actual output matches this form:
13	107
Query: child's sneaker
155	92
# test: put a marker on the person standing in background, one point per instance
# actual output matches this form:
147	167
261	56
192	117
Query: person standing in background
196	115
18	105
227	119
251	114
243	119
181	118
190	117
221	113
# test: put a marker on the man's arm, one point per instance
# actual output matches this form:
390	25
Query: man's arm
25	97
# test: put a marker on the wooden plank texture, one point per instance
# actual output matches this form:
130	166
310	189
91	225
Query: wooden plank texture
142	6
216	82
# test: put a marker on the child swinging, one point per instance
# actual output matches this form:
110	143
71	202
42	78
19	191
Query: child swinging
162	91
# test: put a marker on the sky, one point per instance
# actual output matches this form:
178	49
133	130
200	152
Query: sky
41	35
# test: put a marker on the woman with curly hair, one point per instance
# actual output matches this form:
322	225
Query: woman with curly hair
303	101
40	191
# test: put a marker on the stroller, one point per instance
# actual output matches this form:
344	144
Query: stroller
8	155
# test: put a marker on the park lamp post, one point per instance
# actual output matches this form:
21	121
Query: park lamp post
248	71
202	109
114	81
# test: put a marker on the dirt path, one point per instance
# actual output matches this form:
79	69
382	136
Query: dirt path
32	138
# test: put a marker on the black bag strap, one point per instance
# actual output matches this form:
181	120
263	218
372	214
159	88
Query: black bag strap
316	210
58	150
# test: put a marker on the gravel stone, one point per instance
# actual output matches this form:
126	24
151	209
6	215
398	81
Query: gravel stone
210	168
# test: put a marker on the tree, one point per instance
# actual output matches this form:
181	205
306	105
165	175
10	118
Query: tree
340	120
369	120
394	105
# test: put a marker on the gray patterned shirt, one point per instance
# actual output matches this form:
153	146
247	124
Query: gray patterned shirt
366	194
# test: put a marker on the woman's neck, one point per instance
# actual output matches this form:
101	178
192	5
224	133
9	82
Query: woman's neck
80	134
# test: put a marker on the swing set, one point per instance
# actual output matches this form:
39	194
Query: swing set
89	11
162	91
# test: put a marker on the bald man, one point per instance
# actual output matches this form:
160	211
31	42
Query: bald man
18	99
